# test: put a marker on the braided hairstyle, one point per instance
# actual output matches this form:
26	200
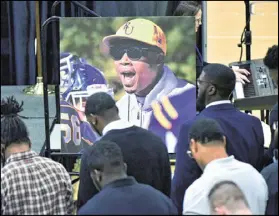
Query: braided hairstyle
13	129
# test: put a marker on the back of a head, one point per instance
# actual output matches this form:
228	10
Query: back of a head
271	61
271	57
13	129
207	131
106	156
99	103
222	77
187	8
228	195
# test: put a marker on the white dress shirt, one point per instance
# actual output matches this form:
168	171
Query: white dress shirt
218	103
249	180
116	125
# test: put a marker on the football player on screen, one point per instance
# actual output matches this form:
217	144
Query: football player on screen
78	80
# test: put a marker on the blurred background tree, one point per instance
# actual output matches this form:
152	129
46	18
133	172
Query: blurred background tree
83	37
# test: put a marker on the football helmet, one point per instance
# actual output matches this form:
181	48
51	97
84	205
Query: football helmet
79	80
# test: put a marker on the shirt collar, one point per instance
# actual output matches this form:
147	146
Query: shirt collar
218	103
116	125
220	161
21	156
130	180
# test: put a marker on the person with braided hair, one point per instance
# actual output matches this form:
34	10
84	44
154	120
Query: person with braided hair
30	184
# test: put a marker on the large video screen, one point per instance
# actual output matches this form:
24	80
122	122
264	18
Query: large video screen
147	64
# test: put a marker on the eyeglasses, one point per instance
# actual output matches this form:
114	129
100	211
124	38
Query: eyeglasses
220	86
134	53
203	81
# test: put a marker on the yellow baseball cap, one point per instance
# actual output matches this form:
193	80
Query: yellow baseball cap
140	30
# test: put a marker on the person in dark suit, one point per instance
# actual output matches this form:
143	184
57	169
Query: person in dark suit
120	194
145	154
270	174
245	138
271	61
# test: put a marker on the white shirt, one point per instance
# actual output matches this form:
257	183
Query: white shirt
244	175
218	102
116	125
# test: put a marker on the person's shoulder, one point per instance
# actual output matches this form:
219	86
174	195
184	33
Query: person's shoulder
196	187
271	169
243	165
195	193
122	100
183	88
12	168
148	135
249	170
249	117
151	191
7	170
275	107
52	163
274	110
143	131
89	207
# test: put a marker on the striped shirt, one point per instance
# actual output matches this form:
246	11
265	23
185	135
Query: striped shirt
31	184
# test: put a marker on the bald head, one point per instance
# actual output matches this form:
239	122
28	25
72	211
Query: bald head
226	198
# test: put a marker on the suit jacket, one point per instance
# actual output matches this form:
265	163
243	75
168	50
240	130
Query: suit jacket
270	174
245	140
144	153
273	123
127	196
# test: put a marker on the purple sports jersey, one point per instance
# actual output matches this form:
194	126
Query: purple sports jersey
77	134
169	115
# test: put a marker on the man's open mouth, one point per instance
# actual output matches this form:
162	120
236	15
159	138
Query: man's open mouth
128	74
128	78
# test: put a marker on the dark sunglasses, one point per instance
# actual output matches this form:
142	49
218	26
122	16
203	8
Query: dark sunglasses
134	53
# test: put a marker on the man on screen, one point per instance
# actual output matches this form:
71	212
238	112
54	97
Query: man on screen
138	49
78	80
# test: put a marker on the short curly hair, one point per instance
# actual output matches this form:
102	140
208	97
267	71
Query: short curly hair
187	8
271	57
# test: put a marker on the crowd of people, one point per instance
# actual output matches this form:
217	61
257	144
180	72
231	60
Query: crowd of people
221	164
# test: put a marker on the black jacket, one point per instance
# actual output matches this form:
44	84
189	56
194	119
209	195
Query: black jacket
146	157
